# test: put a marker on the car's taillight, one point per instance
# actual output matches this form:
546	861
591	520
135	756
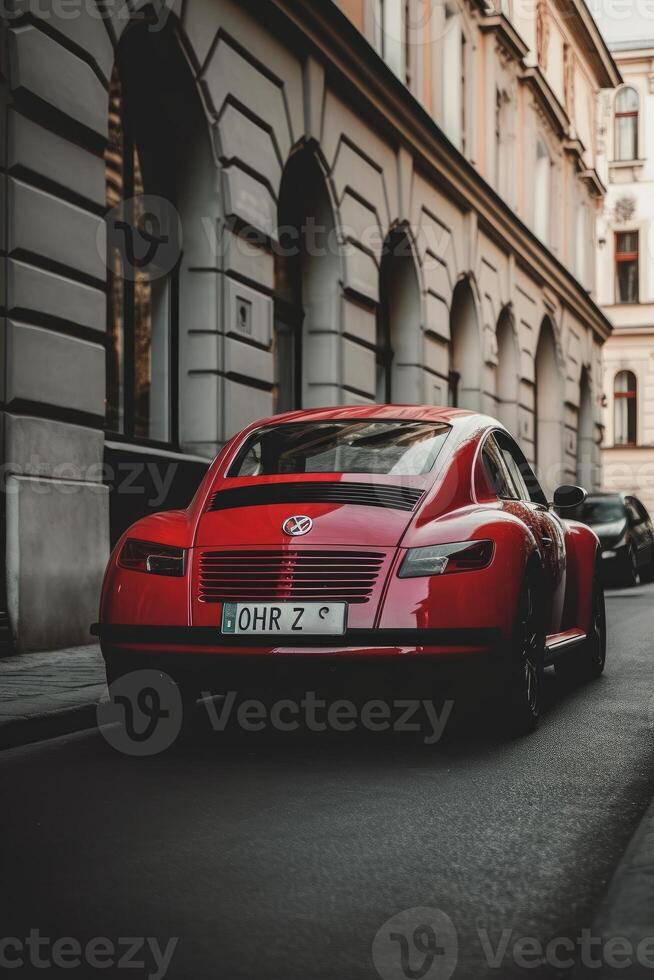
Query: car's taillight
157	559
444	559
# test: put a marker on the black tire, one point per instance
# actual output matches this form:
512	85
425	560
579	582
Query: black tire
587	663
630	574
522	694
647	573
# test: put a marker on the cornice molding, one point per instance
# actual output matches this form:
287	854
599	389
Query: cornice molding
506	34
575	148
594	46
594	181
547	99
354	69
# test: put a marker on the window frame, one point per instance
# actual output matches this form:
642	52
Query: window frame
626	114
581	237
544	168
127	433
490	447
621	258
631	394
528	480
455	124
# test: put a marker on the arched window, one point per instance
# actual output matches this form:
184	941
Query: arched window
142	296
542	192
307	271
626	124
625	394
548	400
399	334
465	378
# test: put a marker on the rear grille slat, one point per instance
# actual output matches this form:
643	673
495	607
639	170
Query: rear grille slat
319	492
287	575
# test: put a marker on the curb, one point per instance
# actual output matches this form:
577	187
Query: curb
627	910
37	728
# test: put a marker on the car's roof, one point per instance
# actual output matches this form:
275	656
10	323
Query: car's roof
422	413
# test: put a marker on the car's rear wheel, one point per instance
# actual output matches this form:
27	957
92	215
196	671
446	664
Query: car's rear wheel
630	573
522	695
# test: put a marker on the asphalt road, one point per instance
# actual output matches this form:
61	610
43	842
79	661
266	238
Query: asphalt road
282	857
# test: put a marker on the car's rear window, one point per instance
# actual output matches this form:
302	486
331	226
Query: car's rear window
401	448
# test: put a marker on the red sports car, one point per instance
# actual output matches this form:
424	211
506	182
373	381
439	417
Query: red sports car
413	533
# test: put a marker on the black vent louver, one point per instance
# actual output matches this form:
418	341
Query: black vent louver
321	492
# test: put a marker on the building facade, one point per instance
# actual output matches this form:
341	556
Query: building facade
215	210
626	273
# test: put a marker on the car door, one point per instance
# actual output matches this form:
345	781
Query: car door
545	525
502	465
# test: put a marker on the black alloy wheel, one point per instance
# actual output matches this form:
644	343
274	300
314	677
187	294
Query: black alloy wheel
523	693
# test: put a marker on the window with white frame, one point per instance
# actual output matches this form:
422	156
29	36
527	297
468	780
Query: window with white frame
542	192
581	233
378	26
627	261
503	143
390	34
453	78
625	122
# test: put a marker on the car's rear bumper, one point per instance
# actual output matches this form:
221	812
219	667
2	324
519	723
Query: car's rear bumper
199	641
370	663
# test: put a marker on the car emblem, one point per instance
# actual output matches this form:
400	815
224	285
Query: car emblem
297	526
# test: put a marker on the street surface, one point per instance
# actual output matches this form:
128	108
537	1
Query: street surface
282	856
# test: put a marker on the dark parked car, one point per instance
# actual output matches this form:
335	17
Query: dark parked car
626	535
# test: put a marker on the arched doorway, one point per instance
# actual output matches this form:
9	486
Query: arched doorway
507	375
399	323
548	410
307	289
465	349
585	434
161	183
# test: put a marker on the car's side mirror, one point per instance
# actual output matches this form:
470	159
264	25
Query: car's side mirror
567	497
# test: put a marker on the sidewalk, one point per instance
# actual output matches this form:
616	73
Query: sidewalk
47	694
627	913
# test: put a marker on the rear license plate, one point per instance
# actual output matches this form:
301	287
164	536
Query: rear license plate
285	618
